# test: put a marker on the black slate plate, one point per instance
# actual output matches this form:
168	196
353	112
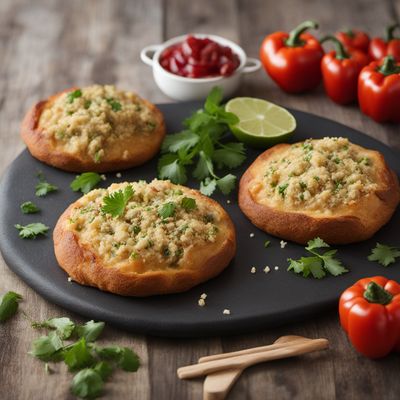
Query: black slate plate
255	300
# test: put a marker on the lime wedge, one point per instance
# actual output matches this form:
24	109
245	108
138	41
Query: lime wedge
262	123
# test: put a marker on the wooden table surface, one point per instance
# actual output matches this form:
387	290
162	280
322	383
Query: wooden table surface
49	45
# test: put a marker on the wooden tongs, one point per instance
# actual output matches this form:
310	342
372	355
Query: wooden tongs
223	370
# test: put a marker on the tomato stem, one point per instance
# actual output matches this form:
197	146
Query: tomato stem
389	66
294	36
341	53
349	33
377	294
389	31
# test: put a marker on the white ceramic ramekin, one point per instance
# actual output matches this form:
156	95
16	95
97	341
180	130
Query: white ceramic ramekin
185	89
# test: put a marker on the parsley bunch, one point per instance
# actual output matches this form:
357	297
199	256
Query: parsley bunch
201	145
318	264
93	364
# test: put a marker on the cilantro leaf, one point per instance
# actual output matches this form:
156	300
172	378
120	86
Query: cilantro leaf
87	384
231	155
267	243
78	356
204	167
171	168
384	255
104	369
43	188
30	231
208	186
9	305
71	96
213	100
46	347
167	210
115	105
125	357
317	264
85	182
116	202
183	140
227	183
29	208
63	326
90	331
188	203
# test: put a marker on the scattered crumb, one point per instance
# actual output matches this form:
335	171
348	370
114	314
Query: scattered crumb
226	312
228	202
203	296
283	244
103	177
202	302
253	270
69	279
251	235
118	174
267	269
276	268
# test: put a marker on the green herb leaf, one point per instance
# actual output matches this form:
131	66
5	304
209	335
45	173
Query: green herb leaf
267	243
227	183
30	231
171	167
317	264
231	155
29	208
183	140
129	361
116	202
213	100
63	326
90	331
204	167
208	186
384	255
167	210
85	182
115	105
104	369
71	96
43	188
282	189
188	203
87	384
9	305
46	348
78	356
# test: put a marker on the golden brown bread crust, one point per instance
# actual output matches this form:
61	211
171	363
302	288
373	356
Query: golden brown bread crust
87	268
47	151
353	224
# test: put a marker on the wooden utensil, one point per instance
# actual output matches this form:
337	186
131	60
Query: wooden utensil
217	385
245	360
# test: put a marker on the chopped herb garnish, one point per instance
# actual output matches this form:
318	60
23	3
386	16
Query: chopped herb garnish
30	231
115	105
282	189
303	185
71	96
316	178
384	255
116	202
318	264
188	203
336	160
267	243
29	208
136	229
85	182
167	210
97	156
87	104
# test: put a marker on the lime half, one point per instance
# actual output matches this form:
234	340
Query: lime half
262	123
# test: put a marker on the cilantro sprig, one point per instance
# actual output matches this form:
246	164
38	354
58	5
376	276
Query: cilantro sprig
30	231
318	264
29	208
116	202
44	187
85	182
201	145
93	364
384	255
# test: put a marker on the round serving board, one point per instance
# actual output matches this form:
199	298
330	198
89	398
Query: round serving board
254	300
